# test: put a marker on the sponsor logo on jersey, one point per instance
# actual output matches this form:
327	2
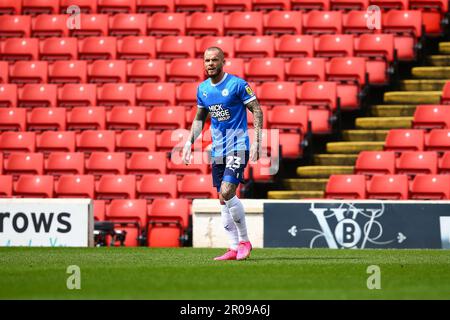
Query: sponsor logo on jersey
217	111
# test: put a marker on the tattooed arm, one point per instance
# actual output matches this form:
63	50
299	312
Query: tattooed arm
255	108
196	130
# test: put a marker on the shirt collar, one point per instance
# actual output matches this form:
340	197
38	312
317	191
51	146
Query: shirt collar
222	80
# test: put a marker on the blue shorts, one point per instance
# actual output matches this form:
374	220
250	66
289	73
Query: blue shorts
229	168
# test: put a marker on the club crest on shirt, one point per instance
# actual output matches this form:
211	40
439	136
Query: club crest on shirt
249	90
225	92
205	94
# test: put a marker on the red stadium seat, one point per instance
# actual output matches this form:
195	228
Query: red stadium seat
195	186
86	6
399	140
430	187
13	119
294	46
305	69
412	163
65	163
34	186
91	25
94	48
345	5
100	163
282	22
10	7
254	47
346	186
265	69
126	118
372	163
99	210
4	77
388	187
167	118
116	94
276	93
24	163
136	140
243	23
134	47
191	6
432	14
61	72
116	187
8	95
173	47
379	50
37	95
263	170
46	25
107	71
28	72
129	216
322	22
166	24
116	6
334	45
266	115
438	140
232	5
205	24
153	6
167	219
38	7
355	22
291	146
387	5
86	118
95	141
15	26
199	164
42	119
156	94
289	118
19	49
445	98
407	28
75	186
185	70
307	5
350	74
444	163
154	186
224	43
235	66
52	49
56	141
77	95
431	117
141	71
170	139
269	5
6	186
186	94
142	163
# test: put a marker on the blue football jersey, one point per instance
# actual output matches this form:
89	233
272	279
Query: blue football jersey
226	102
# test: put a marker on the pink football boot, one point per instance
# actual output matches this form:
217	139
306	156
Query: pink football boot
229	255
244	250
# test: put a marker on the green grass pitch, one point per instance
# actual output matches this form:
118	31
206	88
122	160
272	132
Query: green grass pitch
191	274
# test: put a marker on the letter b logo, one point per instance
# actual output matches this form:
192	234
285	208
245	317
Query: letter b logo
347	233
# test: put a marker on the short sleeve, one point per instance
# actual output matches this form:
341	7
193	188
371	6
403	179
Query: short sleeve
245	92
200	103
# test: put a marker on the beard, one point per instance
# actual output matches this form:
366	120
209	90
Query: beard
214	73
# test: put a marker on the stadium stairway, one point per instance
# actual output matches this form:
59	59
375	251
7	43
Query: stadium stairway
423	86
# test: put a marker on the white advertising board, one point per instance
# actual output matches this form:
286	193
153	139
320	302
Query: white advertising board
46	222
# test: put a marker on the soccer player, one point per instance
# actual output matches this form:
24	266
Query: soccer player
226	97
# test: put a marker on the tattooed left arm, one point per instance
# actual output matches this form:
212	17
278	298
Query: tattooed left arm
255	108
